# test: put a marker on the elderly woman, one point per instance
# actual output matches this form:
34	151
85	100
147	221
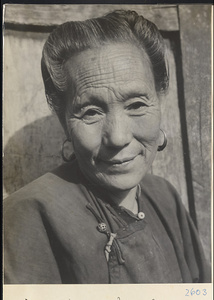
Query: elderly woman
100	218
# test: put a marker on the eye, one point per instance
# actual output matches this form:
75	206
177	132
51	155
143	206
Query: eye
91	115
137	108
136	105
90	112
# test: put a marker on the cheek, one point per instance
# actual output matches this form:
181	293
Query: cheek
86	139
147	127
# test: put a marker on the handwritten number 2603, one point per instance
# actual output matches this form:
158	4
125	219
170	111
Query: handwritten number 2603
193	292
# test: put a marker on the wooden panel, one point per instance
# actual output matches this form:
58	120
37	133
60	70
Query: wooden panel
32	137
165	17
195	31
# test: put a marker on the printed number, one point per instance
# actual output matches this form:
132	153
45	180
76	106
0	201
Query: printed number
193	292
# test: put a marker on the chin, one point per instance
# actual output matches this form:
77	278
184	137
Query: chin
120	182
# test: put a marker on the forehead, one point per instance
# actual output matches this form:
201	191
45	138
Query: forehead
115	66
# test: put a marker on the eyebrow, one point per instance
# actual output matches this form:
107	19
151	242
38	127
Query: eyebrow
136	95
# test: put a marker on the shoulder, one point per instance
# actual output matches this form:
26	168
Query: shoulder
161	192
48	192
158	185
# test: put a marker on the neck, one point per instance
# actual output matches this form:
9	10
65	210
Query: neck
126	199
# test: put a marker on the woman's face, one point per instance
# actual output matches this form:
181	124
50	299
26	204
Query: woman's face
114	120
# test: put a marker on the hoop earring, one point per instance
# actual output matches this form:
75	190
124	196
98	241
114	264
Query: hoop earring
161	147
71	157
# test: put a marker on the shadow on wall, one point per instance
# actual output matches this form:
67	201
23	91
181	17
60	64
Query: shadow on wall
32	151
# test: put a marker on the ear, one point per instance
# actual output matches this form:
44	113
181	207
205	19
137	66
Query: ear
63	122
67	132
162	100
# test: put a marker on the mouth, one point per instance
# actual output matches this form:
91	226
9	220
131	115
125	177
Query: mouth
118	162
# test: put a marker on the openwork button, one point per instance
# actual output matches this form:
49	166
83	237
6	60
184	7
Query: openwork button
141	215
102	227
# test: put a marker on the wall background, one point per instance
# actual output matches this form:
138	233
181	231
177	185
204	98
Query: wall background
33	136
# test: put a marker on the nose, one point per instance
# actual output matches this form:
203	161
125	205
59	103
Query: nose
117	131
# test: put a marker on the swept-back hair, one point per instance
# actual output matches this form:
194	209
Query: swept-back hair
71	38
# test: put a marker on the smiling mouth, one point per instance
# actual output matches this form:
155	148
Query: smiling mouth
118	162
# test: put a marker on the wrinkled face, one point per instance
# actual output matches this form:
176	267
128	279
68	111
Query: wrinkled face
114	120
